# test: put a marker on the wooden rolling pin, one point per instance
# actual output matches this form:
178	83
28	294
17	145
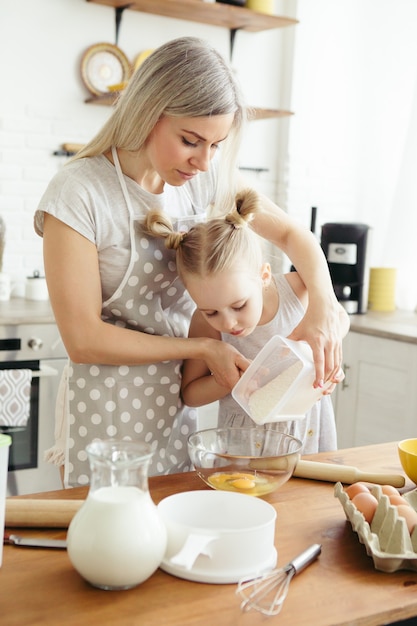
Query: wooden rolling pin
331	472
344	473
40	513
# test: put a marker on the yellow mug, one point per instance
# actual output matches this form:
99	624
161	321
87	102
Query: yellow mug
261	6
382	283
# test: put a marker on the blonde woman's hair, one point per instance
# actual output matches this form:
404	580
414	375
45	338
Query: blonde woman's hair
185	77
213	246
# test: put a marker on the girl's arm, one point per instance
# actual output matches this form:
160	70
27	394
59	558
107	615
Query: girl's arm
72	273
320	326
198	386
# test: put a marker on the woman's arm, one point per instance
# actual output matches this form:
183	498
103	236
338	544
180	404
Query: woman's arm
72	273
198	386
320	326
301	292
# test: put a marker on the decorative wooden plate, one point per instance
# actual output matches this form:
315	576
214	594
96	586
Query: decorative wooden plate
104	64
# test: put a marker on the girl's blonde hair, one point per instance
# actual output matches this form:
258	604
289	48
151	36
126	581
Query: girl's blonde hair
185	77
213	246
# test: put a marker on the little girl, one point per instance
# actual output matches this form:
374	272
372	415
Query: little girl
239	301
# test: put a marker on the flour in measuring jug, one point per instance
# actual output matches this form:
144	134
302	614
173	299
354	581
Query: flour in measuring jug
263	400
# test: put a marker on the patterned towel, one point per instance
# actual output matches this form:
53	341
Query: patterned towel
15	397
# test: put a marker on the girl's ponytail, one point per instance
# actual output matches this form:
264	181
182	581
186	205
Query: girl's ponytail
246	205
158	225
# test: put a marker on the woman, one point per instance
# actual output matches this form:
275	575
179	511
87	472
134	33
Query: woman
170	144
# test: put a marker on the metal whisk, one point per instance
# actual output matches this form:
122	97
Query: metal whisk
266	593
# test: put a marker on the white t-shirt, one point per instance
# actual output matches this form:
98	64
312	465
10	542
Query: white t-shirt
86	195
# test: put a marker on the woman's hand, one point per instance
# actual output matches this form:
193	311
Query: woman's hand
324	324
225	363
334	381
323	328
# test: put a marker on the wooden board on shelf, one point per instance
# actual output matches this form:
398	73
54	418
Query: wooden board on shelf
214	13
264	114
256	113
72	147
105	99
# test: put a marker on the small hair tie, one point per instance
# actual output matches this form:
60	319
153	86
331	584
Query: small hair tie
175	239
236	220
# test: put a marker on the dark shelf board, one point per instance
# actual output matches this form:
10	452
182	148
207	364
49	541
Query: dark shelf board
213	13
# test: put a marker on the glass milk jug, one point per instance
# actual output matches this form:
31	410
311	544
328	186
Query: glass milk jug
117	540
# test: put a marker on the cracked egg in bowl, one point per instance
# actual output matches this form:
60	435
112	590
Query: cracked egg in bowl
254	461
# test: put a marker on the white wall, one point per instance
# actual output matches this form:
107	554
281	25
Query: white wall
42	103
353	139
352	86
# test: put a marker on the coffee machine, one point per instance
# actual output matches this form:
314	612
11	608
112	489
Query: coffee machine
346	247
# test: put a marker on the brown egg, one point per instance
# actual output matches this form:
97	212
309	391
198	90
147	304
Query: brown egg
366	503
356	488
397	499
409	514
389	490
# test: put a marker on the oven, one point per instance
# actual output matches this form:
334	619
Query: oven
39	348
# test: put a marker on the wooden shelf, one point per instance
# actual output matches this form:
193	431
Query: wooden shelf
265	114
108	99
213	13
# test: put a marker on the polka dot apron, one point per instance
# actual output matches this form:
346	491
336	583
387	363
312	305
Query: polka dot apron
143	401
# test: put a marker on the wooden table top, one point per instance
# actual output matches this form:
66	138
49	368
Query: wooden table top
39	586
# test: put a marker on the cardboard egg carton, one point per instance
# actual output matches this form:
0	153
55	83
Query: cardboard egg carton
386	539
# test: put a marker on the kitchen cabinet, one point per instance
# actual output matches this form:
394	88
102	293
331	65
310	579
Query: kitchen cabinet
214	13
377	401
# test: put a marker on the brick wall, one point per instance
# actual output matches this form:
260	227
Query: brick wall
42	103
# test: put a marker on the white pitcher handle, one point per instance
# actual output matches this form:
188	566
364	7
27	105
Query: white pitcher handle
192	548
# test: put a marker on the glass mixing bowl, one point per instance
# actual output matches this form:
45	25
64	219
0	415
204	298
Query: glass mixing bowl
255	461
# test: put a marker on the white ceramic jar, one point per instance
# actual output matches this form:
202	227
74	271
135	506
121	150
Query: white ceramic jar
5	287
35	287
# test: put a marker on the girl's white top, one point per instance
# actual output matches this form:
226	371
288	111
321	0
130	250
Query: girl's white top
318	430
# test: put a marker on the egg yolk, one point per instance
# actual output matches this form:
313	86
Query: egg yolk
238	481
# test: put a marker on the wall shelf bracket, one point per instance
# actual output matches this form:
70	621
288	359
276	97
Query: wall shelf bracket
232	32
118	19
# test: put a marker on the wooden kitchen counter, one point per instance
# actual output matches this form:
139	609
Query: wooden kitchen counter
39	587
21	311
